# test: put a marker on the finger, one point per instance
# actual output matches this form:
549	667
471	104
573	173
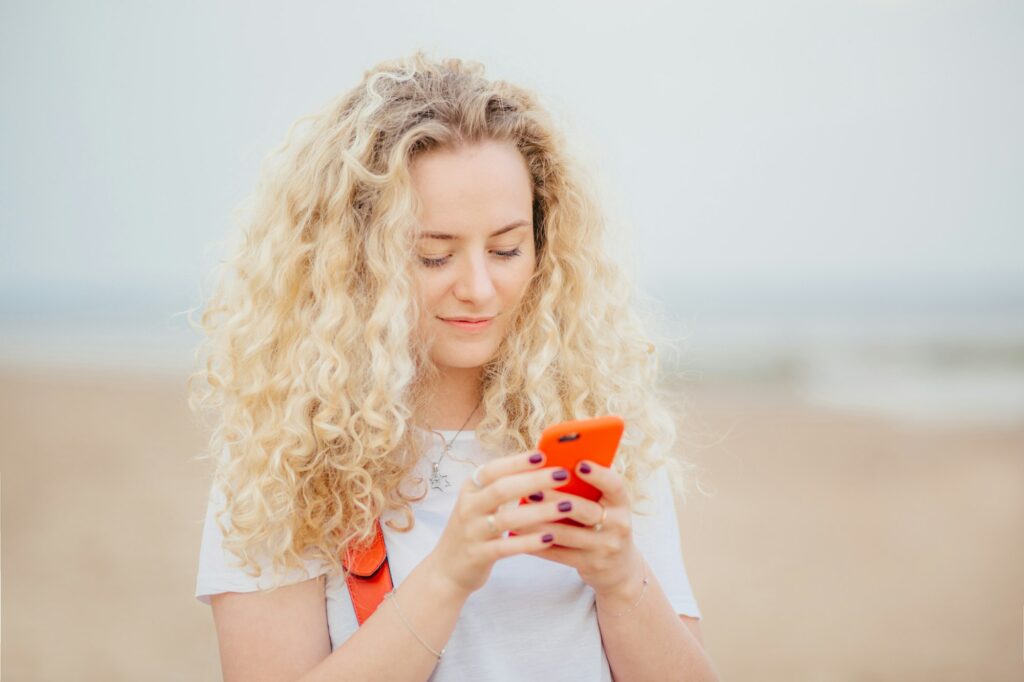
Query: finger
512	487
499	548
567	556
503	466
581	509
567	536
547	496
522	518
563	506
606	480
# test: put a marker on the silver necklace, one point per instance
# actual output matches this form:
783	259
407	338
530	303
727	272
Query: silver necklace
437	477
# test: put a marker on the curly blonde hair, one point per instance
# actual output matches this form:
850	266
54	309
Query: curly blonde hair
312	365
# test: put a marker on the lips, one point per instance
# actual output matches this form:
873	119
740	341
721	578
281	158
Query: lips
468	323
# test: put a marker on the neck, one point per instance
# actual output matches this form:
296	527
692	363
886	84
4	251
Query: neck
452	398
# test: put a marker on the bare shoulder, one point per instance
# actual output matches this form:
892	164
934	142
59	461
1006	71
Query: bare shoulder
274	634
693	624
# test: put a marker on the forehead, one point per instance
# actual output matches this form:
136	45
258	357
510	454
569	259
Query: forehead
478	187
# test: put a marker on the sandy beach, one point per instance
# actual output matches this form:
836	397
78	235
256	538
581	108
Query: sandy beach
828	546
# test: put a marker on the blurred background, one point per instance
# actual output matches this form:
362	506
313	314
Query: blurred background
821	204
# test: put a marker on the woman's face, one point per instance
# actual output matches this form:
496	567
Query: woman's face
475	251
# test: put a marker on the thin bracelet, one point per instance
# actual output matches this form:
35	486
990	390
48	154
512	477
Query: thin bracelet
642	591
400	615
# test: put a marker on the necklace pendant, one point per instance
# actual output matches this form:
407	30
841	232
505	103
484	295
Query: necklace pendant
437	477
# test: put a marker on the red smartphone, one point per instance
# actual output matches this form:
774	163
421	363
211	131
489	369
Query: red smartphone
565	444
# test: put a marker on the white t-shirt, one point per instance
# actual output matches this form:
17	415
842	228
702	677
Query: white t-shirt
533	617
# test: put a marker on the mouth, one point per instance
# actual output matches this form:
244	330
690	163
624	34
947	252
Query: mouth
470	323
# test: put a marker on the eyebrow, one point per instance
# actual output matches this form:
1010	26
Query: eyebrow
503	230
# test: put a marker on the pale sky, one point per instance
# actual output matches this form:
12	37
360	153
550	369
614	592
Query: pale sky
748	146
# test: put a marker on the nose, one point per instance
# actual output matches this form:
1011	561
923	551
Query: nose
474	283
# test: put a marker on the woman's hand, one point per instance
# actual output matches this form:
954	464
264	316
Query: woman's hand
606	559
469	546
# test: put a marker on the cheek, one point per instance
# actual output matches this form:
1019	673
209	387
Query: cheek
516	284
428	292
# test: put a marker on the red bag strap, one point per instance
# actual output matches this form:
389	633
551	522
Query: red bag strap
369	575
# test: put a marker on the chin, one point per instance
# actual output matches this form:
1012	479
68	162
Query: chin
465	360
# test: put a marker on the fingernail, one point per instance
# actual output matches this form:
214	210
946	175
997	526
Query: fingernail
584	468
560	475
536	458
548	537
537	497
564	505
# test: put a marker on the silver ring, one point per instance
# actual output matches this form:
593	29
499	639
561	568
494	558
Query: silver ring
476	481
490	524
600	524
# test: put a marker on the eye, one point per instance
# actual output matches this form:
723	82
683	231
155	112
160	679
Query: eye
438	262
433	262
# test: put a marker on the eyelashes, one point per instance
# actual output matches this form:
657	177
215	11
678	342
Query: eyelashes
438	262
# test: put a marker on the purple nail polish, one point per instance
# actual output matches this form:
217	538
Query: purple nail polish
548	537
560	475
536	457
564	505
584	468
537	497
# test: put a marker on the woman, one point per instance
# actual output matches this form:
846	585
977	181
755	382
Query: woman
422	289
